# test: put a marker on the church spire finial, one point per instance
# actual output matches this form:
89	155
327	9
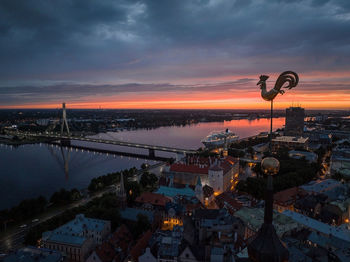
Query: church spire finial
121	192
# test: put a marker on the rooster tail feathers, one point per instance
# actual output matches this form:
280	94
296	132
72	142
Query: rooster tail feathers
289	77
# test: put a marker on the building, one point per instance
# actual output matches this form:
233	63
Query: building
152	201
294	121
339	233
77	238
33	254
140	247
308	156
166	245
290	142
132	214
253	218
309	205
333	189
332	214
219	173
340	160
286	199
147	256
115	248
210	223
234	201
172	192
339	248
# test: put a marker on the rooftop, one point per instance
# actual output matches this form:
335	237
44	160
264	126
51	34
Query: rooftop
172	191
140	245
73	232
201	165
254	218
290	139
316	225
153	198
132	213
288	195
322	186
309	156
33	254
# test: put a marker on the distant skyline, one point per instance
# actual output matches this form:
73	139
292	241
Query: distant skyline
172	54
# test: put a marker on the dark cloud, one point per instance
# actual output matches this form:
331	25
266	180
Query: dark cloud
164	41
74	92
83	93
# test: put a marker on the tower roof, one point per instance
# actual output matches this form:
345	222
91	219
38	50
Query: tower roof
121	191
267	246
199	182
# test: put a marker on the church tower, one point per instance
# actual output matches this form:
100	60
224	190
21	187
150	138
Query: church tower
199	190
266	245
121	195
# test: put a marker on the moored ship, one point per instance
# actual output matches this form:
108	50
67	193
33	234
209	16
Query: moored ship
219	139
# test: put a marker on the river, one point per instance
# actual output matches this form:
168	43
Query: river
32	170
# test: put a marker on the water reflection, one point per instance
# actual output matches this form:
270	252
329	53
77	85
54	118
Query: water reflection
189	137
33	170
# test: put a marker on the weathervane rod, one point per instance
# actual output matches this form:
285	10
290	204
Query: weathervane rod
289	77
271	117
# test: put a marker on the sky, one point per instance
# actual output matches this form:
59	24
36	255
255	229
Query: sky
173	54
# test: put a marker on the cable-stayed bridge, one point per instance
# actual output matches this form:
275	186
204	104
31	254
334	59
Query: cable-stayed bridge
65	139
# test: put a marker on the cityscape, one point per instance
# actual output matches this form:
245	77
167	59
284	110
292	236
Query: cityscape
175	131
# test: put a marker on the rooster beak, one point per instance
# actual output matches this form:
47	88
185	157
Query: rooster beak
259	83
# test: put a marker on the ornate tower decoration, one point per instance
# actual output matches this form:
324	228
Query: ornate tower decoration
266	246
121	195
199	190
288	77
64	120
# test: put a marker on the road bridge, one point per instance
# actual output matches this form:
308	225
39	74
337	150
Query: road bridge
65	140
114	152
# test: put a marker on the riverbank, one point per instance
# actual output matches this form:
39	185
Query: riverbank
15	233
25	141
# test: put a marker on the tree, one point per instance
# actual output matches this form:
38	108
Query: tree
144	166
148	180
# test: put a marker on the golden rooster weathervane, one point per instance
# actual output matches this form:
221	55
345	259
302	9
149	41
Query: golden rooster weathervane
286	77
289	77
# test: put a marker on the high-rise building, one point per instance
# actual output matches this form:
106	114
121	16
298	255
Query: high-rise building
294	121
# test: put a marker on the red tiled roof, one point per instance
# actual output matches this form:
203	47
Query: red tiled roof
184	168
152	198
191	207
226	199
200	165
105	252
288	196
121	238
141	244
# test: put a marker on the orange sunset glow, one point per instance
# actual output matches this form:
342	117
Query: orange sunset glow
175	55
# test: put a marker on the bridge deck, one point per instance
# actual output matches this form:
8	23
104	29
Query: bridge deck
118	143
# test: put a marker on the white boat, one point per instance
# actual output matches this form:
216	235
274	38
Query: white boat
219	139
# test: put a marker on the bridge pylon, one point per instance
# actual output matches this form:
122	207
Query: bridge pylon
64	123
151	152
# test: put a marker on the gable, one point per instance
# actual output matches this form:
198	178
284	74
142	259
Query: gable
187	254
